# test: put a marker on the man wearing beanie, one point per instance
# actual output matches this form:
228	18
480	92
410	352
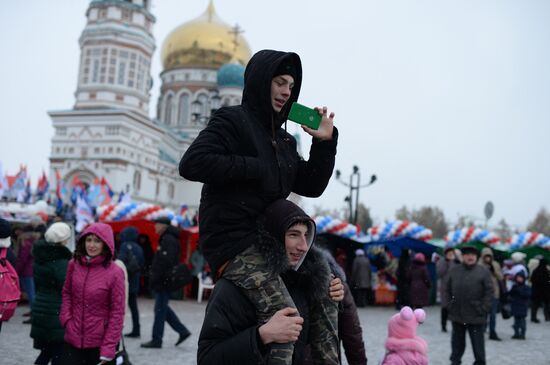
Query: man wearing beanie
470	294
247	160
443	267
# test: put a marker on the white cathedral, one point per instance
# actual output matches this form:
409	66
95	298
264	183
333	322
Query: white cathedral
108	133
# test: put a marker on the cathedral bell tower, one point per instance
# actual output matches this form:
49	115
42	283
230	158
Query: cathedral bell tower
115	61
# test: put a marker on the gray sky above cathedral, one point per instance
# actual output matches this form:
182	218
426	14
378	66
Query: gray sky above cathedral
447	102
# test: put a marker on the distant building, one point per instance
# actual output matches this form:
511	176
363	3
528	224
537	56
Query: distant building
108	133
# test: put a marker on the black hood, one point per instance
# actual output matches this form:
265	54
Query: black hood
279	217
129	234
257	85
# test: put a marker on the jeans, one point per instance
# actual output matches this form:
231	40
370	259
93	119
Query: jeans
458	342
164	313
27	284
520	326
132	303
492	317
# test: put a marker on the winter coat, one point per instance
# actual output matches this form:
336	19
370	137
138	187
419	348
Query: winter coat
420	284
50	267
24	258
349	326
350	331
519	299
361	275
443	267
494	268
540	280
229	333
128	238
247	161
470	293
167	256
92	311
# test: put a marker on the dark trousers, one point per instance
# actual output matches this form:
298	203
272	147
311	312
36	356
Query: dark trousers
73	356
164	313
520	326
50	351
361	296
536	304
444	317
458	342
132	303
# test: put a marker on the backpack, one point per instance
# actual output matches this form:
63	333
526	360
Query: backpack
9	287
179	277
132	264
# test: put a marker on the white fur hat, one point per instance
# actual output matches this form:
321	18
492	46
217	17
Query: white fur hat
58	232
518	257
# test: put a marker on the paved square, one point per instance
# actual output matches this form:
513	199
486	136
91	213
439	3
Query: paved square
16	345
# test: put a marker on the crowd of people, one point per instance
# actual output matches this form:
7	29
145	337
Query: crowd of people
279	298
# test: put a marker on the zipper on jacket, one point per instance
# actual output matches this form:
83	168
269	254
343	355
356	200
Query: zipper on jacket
83	309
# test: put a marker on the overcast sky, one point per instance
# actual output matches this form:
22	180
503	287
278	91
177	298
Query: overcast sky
447	102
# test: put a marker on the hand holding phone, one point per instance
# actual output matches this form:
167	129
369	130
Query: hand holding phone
305	116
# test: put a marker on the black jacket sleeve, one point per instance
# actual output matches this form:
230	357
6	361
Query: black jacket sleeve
164	260
212	157
229	331
313	175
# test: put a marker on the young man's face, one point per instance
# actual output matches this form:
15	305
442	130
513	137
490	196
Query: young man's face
281	88
296	243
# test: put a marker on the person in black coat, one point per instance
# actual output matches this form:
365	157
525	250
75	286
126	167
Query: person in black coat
246	160
132	255
165	259
403	287
51	258
519	299
231	332
145	243
540	280
252	162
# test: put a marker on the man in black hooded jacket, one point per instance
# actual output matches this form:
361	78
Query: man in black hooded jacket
246	161
231	333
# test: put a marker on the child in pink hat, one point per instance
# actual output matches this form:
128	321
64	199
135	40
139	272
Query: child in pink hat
403	346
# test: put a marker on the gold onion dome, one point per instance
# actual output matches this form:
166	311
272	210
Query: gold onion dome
206	41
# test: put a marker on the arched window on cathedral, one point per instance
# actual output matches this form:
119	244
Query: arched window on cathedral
183	115
157	187
169	105
203	98
171	191
137	180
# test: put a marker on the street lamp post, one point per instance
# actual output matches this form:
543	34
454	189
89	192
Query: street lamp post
354	186
197	115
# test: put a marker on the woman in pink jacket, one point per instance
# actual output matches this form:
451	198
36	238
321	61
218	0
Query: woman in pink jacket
92	311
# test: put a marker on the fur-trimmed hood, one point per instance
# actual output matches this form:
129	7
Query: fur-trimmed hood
313	271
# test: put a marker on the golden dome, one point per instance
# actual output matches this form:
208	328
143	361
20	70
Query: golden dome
204	42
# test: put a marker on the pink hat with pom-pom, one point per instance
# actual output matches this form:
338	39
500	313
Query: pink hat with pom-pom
404	323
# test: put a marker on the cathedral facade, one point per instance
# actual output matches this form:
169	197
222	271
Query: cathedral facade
109	132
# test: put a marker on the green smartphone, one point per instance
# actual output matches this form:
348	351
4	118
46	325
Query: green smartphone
303	115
